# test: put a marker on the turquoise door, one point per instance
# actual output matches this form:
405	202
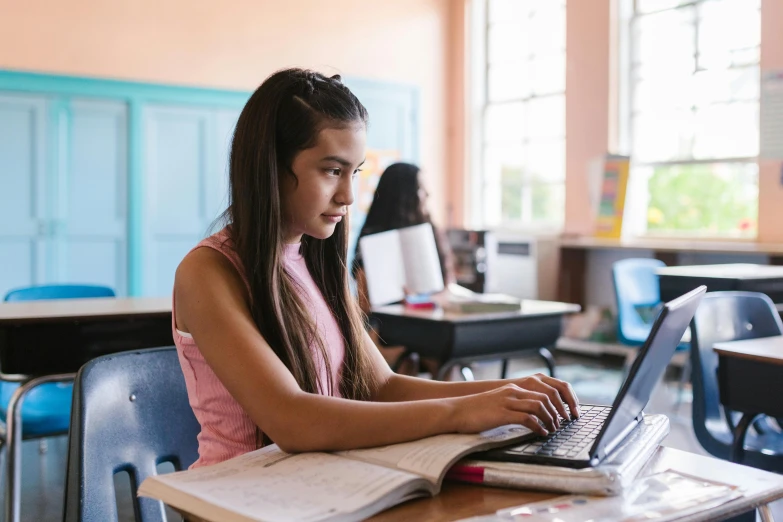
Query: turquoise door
23	217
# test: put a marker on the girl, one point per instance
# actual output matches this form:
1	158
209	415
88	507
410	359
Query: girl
270	340
400	201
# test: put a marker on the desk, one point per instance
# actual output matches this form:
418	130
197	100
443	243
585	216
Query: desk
460	500
574	250
48	341
750	379
677	280
59	336
453	338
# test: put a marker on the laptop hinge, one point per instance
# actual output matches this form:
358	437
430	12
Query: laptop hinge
623	434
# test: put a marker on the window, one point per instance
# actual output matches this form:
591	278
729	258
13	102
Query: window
692	106
519	148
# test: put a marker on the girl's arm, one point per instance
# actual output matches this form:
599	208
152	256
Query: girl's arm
212	304
404	388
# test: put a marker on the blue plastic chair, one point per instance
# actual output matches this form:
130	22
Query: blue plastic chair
38	293
635	285
130	413
721	317
46	408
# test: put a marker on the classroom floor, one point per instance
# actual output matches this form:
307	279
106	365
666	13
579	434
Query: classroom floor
595	380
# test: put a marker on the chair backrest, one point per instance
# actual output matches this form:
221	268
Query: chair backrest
721	317
130	413
635	284
35	293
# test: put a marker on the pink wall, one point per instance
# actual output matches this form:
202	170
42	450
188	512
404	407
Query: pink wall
587	103
770	188
237	44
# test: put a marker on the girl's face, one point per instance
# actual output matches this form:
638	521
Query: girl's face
423	196
318	197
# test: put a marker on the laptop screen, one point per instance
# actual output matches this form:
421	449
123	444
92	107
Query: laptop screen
647	369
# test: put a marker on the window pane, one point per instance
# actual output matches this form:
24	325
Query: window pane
646	6
547	29
726	26
507	43
705	199
726	85
663	93
548	202
505	122
662	136
546	160
498	159
509	81
508	10
547	73
726	131
503	183
546	117
664	44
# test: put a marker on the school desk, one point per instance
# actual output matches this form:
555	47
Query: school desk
59	336
574	250
458	501
750	380
678	280
455	338
48	341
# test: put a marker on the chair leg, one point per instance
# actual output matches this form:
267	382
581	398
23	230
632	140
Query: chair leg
13	476
685	378
549	359
737	449
504	369
765	514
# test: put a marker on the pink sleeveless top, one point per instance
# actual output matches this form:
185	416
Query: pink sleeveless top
226	430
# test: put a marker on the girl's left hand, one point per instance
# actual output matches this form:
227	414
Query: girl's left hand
558	391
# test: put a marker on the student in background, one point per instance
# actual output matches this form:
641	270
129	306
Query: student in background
400	201
270	340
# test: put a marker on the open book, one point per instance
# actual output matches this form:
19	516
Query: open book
270	485
398	259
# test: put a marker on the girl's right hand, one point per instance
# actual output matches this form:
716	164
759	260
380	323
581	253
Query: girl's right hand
508	404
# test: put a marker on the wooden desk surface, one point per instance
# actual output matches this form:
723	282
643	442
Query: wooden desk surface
63	309
671	245
724	271
530	308
765	349
460	501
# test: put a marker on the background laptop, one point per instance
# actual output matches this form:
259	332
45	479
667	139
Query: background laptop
587	441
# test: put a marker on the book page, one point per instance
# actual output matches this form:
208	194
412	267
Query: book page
383	267
271	485
420	257
431	457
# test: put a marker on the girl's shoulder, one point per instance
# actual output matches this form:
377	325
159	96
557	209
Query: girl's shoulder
213	253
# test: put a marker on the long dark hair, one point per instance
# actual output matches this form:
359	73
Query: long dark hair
283	117
397	204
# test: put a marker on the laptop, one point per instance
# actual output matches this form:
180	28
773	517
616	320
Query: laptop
586	441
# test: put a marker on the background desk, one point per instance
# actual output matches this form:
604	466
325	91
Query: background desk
457	338
677	280
50	337
750	379
460	501
574	252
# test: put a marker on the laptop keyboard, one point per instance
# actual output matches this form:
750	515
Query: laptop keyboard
572	437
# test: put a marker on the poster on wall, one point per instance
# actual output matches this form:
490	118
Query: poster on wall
771	124
611	204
